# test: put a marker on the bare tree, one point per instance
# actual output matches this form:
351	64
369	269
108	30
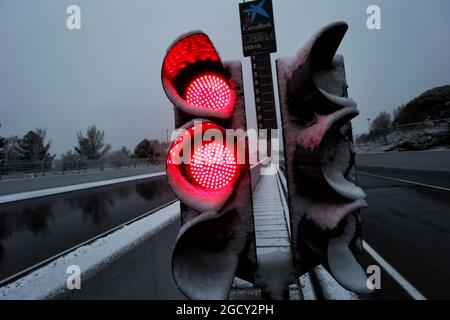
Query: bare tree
381	125
125	151
10	148
119	158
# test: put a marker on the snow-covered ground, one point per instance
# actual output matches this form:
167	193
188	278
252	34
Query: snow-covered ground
435	137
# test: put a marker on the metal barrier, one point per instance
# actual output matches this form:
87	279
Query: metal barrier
27	168
255	173
318	284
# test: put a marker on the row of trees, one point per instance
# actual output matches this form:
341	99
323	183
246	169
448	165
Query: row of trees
31	147
91	145
379	127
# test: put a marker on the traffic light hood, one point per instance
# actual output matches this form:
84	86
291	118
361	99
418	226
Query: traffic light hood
312	75
194	78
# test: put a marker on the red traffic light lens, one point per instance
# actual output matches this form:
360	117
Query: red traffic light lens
200	162
188	50
195	79
213	166
209	91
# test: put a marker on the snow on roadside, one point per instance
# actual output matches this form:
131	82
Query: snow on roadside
435	137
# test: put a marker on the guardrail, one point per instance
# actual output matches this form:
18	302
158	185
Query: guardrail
255	174
318	284
14	169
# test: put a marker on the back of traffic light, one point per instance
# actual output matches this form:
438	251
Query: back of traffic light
323	199
207	169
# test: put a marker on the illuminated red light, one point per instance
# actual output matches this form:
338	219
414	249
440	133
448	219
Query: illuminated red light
209	91
213	166
190	49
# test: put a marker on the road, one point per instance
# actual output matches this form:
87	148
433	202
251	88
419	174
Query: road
11	186
36	229
408	224
432	160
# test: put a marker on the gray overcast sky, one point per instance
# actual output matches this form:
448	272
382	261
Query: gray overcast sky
108	73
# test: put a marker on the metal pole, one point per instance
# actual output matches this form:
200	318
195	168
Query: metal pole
368	124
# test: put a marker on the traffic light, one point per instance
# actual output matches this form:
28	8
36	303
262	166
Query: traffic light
323	199
207	169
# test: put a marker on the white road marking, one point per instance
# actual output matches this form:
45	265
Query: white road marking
408	287
57	190
405	181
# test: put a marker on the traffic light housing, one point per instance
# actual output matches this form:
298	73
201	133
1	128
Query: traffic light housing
208	169
323	199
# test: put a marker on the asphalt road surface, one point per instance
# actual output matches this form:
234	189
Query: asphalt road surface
408	225
34	230
413	160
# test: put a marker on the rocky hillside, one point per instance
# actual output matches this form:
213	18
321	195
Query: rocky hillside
433	104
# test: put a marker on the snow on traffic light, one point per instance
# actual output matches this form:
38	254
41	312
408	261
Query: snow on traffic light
323	199
208	169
